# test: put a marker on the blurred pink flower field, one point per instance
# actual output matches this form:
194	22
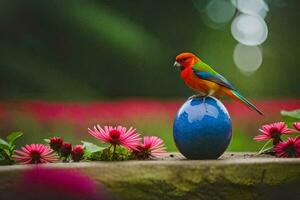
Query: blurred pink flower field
41	119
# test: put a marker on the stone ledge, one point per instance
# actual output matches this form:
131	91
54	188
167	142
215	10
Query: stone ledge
233	176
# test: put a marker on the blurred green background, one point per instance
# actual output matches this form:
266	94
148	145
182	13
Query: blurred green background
115	49
87	51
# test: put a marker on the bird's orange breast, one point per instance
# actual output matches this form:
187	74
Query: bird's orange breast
197	84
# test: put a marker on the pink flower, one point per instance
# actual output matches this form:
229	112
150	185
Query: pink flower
117	135
56	184
289	148
273	131
35	154
151	147
297	126
77	153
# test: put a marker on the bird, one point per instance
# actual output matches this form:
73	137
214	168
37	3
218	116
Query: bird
204	80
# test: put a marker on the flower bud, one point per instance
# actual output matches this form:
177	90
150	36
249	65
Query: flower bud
66	149
56	143
77	153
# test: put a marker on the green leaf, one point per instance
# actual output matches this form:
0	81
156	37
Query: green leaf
5	154
290	116
121	150
13	136
123	153
12	148
93	156
92	148
47	141
293	114
4	144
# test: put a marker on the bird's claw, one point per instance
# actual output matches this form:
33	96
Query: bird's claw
199	96
196	96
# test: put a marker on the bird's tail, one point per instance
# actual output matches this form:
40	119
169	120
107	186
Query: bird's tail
237	96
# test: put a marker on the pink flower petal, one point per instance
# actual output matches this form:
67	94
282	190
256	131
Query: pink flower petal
297	126
273	131
127	138
288	148
28	154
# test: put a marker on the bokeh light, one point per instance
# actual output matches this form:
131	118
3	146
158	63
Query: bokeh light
216	13
247	58
252	7
220	11
201	5
249	29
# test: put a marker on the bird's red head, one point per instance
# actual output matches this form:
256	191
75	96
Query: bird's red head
185	60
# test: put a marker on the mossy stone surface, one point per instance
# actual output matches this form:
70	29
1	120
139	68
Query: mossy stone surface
233	176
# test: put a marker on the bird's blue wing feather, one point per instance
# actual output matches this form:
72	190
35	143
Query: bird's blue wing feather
216	78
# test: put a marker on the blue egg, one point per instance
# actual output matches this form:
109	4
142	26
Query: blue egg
202	128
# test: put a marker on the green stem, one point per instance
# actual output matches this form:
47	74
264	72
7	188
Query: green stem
266	150
263	148
114	151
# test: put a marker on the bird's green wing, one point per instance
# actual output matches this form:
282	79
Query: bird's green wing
205	72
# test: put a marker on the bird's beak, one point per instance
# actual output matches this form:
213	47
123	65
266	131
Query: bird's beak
177	64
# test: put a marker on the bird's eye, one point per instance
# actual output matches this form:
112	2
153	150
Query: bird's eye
184	59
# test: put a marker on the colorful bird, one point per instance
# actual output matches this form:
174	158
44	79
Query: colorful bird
201	78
